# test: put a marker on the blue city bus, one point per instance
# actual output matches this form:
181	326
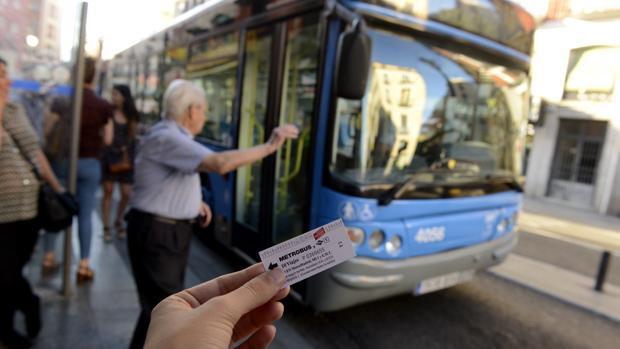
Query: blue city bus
422	166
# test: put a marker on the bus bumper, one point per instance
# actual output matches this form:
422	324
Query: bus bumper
363	279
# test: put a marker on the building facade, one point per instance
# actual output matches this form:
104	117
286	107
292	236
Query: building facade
49	30
16	21
575	156
30	35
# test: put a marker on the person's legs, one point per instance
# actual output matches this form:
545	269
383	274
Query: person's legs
137	230
16	245
158	254
106	203
49	264
120	210
25	299
9	274
89	177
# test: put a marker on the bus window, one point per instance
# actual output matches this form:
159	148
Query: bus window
252	123
150	93
423	108
173	65
213	65
299	90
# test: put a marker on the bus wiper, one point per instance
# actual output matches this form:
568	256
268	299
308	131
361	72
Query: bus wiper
398	189
395	191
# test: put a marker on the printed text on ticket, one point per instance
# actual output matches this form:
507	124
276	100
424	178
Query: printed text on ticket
310	253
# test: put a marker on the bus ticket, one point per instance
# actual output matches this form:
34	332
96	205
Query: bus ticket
310	253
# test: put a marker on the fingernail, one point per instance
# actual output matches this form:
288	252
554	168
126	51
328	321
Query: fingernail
276	275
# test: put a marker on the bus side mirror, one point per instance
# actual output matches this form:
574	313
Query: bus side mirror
353	63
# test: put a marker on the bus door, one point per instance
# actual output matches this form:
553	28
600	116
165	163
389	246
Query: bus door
272	197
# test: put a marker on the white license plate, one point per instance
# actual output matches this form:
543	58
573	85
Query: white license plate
443	281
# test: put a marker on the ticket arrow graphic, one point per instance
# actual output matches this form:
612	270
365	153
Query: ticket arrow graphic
273	266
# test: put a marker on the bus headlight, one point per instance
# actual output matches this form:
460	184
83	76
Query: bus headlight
502	226
394	244
356	235
376	239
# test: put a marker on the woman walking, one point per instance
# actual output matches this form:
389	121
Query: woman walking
96	130
20	156
118	159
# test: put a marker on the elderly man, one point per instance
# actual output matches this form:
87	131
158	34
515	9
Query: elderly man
167	196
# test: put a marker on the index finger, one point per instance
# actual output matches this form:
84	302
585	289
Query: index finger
200	294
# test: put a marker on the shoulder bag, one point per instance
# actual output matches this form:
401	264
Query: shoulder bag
55	210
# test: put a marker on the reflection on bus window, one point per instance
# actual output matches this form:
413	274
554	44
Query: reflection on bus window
425	109
213	65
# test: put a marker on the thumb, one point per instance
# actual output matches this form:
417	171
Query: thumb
254	293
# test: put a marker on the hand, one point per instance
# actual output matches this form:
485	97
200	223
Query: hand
281	134
205	211
220	312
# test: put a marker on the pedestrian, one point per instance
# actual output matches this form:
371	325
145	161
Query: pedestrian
19	191
57	134
220	312
96	130
167	199
118	159
33	103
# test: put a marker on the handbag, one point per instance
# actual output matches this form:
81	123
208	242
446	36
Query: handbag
55	210
122	166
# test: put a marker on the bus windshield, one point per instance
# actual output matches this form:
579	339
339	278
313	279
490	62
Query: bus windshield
441	116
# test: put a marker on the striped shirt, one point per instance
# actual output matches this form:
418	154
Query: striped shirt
19	187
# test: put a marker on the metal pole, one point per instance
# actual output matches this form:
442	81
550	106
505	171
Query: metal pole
602	271
78	85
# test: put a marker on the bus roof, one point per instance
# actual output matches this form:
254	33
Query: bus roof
501	21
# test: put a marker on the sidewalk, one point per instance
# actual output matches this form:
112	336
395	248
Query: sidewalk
576	226
565	285
554	220
102	315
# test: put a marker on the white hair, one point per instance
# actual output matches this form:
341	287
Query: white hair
179	97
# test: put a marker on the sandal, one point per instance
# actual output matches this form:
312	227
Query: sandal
84	274
107	237
121	233
49	266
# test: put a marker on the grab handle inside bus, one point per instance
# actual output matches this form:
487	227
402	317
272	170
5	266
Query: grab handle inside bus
354	50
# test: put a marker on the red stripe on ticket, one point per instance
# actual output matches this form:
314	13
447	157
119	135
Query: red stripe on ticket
319	233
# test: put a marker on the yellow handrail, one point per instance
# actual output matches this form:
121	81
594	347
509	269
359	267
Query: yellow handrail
300	149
